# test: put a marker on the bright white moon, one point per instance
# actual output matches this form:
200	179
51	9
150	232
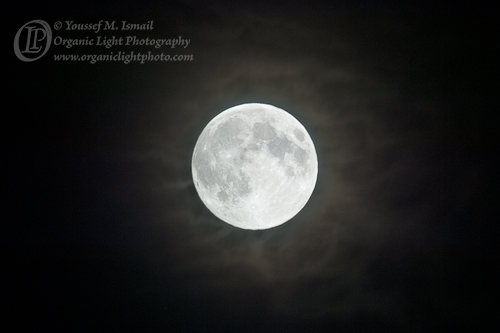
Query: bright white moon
254	166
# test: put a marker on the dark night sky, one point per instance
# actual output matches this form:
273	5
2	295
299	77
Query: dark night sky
102	228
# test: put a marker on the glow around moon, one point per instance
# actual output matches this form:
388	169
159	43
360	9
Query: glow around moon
254	166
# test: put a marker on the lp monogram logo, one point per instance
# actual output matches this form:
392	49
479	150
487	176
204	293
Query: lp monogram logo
32	40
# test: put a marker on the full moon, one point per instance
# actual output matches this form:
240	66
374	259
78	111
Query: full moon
254	166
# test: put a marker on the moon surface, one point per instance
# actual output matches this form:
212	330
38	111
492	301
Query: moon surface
254	166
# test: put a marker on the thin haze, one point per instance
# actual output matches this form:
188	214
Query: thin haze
106	230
